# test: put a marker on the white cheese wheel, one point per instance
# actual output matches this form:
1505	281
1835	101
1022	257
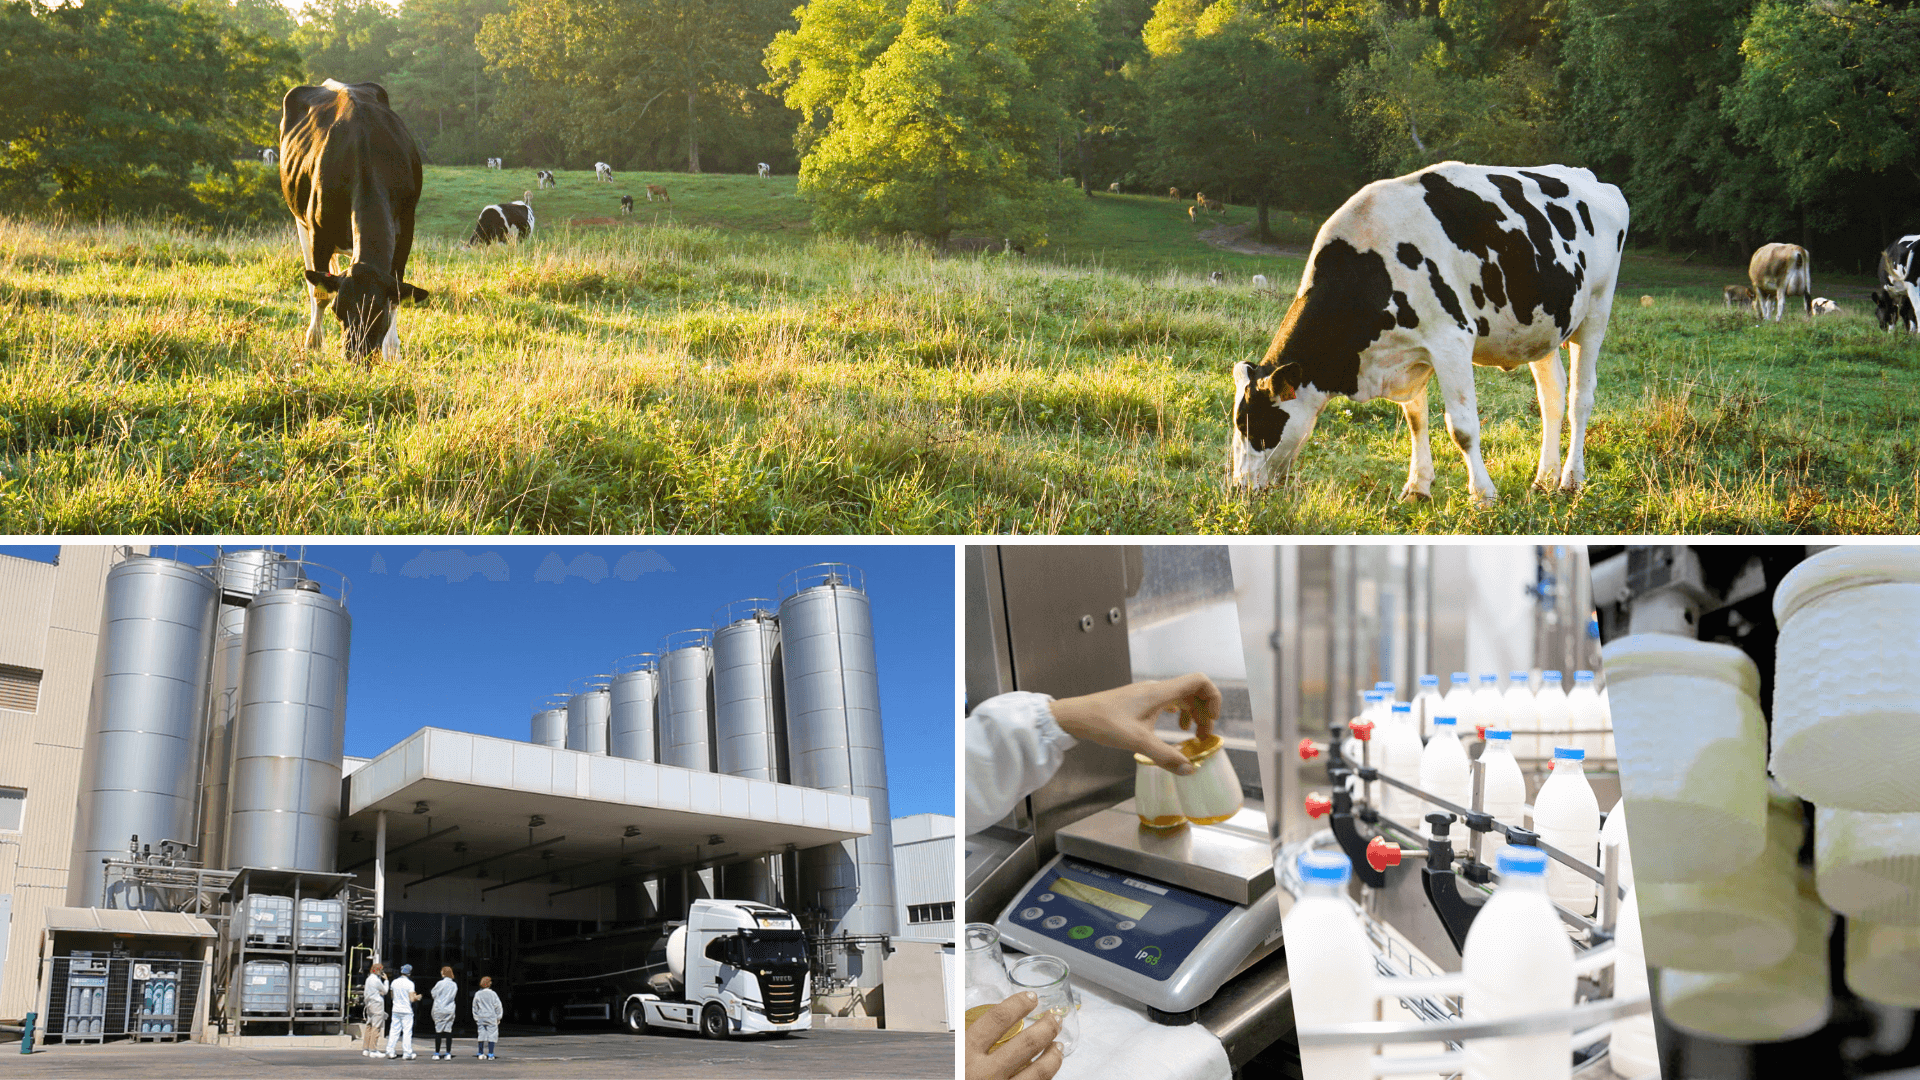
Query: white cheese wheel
1786	1001
1693	755
1846	696
1743	922
1868	865
1883	963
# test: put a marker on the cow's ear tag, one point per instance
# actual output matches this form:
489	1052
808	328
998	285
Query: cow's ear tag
328	283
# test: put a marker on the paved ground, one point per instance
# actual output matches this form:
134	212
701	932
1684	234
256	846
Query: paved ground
814	1055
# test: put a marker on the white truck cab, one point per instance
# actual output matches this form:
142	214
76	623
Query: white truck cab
735	968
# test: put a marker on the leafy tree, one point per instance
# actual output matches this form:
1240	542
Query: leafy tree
1830	88
267	18
349	40
118	106
444	87
623	69
932	116
1236	112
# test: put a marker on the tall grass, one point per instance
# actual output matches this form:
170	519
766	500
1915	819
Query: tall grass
674	377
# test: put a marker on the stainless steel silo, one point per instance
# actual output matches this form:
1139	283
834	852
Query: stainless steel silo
686	701
749	701
284	793
834	742
634	694
588	711
550	721
146	723
242	575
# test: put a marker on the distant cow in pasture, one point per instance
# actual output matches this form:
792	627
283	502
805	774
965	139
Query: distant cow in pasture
1738	295
1173	193
766	170
1824	306
985	244
626	204
656	189
1777	272
603	171
269	155
1428	275
493	163
1891	307
1216	278
1192	214
350	172
504	221
1215	206
1900	272
544	179
1260	281
1113	188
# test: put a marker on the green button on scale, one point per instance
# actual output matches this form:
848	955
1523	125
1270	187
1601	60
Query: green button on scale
1080	932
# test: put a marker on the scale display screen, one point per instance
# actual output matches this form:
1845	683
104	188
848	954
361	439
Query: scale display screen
1119	905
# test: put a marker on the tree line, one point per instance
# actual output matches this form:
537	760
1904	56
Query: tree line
1726	122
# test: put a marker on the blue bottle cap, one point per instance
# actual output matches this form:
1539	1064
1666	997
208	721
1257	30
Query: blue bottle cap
1568	753
1550	676
1489	679
1403	707
1520	677
1515	859
1501	734
1461	676
1328	866
1583	676
1429	680
1447	720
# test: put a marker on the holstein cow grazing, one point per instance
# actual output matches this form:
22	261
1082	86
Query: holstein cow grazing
493	163
350	171
1900	269
1738	295
1777	272
1892	307
1428	275
269	155
626	204
656	189
504	221
543	179
1824	306
766	170
603	171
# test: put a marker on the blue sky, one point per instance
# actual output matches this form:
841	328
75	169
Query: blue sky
467	635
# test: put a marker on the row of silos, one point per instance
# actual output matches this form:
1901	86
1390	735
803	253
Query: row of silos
786	692
216	720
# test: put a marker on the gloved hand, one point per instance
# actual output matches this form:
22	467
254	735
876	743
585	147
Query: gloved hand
1124	717
1030	1055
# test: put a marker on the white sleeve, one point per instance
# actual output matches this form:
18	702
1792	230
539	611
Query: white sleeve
1014	745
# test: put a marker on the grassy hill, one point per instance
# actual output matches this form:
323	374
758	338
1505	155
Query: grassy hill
716	367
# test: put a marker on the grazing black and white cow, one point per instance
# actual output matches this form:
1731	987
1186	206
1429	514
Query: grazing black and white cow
504	221
626	204
1778	271
544	179
603	171
1893	307
1427	275
493	163
269	155
766	170
1900	271
350	172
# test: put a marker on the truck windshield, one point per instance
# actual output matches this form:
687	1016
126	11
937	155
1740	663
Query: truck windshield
773	952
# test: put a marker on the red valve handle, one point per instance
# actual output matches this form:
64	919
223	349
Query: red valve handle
1363	730
1308	750
1381	854
1319	806
1482	730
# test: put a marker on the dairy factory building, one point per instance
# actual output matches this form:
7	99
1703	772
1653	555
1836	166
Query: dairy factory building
186	851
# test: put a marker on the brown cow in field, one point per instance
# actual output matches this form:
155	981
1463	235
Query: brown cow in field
1215	206
1173	193
1777	272
656	189
1738	295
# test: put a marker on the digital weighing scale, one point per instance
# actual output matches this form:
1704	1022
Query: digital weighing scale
1164	918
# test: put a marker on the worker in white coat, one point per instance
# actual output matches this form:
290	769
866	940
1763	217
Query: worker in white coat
1015	743
486	1016
373	1010
446	995
400	1033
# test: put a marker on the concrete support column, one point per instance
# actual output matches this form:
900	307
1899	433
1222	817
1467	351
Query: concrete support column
379	882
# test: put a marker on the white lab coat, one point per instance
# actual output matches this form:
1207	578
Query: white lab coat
444	993
400	1031
374	1001
1014	745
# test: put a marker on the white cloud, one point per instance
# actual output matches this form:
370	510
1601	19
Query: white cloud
586	565
379	565
635	563
455	565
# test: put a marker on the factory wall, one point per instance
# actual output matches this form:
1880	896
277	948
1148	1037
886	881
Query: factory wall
51	632
923	875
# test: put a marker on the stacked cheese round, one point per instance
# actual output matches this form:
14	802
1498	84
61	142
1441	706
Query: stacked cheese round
1868	865
1693	758
1786	1001
1846	699
1742	922
1883	963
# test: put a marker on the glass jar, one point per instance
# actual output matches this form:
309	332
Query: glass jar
1048	978
1211	793
1155	798
987	980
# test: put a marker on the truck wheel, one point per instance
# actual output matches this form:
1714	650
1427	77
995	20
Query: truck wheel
635	1016
556	1016
713	1021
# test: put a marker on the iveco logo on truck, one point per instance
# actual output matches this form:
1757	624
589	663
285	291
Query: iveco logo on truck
735	968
